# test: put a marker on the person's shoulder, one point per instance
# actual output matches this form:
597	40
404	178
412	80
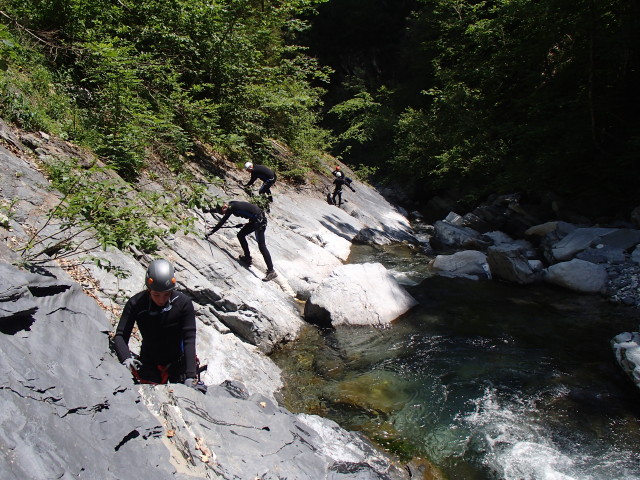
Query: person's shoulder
138	299
182	297
138	296
183	302
237	205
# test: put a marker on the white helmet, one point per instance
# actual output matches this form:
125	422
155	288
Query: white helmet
338	174
248	166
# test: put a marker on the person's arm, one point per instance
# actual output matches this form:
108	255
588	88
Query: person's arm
220	223
253	178
123	333
347	182
189	339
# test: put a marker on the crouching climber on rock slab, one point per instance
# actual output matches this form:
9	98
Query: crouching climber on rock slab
265	174
257	223
167	324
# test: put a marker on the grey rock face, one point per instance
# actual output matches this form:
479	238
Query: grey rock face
69	409
576	241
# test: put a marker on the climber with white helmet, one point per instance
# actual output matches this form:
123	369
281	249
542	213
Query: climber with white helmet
265	174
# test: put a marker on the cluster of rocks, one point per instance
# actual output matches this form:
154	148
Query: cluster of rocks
582	258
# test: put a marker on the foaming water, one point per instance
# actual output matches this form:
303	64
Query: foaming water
487	381
513	442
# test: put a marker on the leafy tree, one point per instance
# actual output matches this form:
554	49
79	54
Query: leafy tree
489	95
157	75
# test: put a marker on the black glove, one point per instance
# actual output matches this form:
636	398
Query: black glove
132	364
195	384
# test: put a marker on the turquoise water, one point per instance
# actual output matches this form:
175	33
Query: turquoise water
485	380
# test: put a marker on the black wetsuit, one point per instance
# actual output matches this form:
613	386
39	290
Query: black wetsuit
337	192
257	223
168	336
265	174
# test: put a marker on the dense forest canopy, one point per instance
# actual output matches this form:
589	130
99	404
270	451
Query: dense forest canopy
488	96
473	97
154	76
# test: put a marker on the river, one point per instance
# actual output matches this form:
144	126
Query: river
483	379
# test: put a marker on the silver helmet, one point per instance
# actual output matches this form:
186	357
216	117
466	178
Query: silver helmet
160	276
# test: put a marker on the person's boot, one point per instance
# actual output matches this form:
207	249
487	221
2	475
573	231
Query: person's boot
246	261
271	274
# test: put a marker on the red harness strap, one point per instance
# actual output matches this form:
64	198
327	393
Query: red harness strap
164	375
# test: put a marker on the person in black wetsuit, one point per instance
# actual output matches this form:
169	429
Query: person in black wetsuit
265	174
337	191
257	223
167	323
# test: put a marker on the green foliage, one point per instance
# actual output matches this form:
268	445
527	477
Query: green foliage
359	113
153	76
31	95
194	194
491	95
109	206
260	201
7	211
368	128
119	215
107	266
365	172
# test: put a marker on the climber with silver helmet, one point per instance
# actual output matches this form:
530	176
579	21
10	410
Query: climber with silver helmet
265	174
167	324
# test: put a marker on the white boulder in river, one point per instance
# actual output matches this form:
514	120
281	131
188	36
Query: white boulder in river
358	294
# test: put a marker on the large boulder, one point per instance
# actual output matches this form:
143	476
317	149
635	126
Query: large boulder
450	236
576	241
505	213
509	263
465	263
621	238
577	275
626	348
358	294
